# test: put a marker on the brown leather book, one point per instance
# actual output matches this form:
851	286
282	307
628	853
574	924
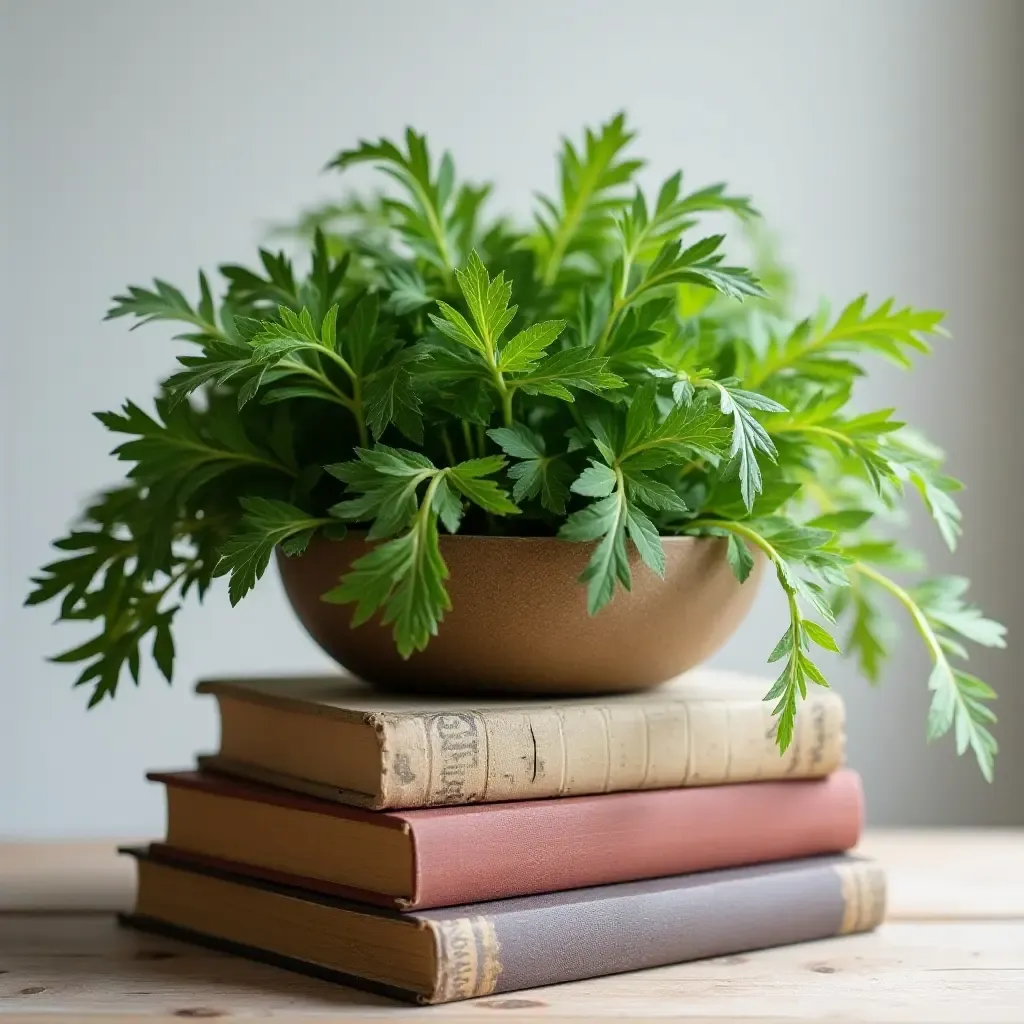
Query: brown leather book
439	857
437	956
339	740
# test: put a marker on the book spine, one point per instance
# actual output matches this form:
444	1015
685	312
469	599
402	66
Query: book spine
522	849
569	941
529	753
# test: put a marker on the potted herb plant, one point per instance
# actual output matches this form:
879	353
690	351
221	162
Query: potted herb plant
443	404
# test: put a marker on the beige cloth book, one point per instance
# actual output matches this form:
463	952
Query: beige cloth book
334	737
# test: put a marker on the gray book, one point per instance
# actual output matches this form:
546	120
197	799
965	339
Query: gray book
438	956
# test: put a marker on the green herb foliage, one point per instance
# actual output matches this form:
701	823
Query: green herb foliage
605	375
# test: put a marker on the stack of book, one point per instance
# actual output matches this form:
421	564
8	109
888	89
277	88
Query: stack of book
439	850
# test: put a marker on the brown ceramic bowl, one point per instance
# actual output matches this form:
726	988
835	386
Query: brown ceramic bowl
519	621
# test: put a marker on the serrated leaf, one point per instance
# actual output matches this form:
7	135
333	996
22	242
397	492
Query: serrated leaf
593	179
297	543
811	347
447	505
487	300
596	481
811	672
404	577
165	302
781	649
390	397
547	478
575	368
841	521
653	493
935	490
686	433
609	520
357	338
517	441
748	436
467	477
266	524
740	560
699	264
644	535
820	636
604	520
163	648
536	474
522	352
455	326
427	218
408	291
329	329
869	636
641	416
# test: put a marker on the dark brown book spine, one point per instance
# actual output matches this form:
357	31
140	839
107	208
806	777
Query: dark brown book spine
651	926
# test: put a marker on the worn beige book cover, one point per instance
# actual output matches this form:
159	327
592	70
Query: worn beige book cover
337	738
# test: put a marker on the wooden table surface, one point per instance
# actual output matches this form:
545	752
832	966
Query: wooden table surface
952	949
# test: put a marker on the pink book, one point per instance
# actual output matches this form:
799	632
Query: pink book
438	857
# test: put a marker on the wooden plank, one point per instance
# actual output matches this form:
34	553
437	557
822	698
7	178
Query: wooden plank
83	964
520	1014
65	876
953	950
951	874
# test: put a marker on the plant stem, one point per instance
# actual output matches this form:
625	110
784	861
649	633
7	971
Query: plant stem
773	556
357	412
577	416
812	428
621	303
436	229
423	512
506	405
627	266
602	342
222	455
212	330
353	403
335	394
504	392
896	591
742	531
467	437
356	401
785	358
449	452
569	223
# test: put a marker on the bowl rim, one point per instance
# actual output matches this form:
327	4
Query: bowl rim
671	538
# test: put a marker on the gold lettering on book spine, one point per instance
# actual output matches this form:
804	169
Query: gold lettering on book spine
468	959
863	887
457	745
465	756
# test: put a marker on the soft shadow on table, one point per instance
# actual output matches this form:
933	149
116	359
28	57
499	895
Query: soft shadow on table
149	962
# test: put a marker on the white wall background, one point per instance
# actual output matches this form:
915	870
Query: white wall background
882	139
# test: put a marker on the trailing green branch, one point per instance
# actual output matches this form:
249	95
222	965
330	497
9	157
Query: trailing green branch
796	552
958	698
